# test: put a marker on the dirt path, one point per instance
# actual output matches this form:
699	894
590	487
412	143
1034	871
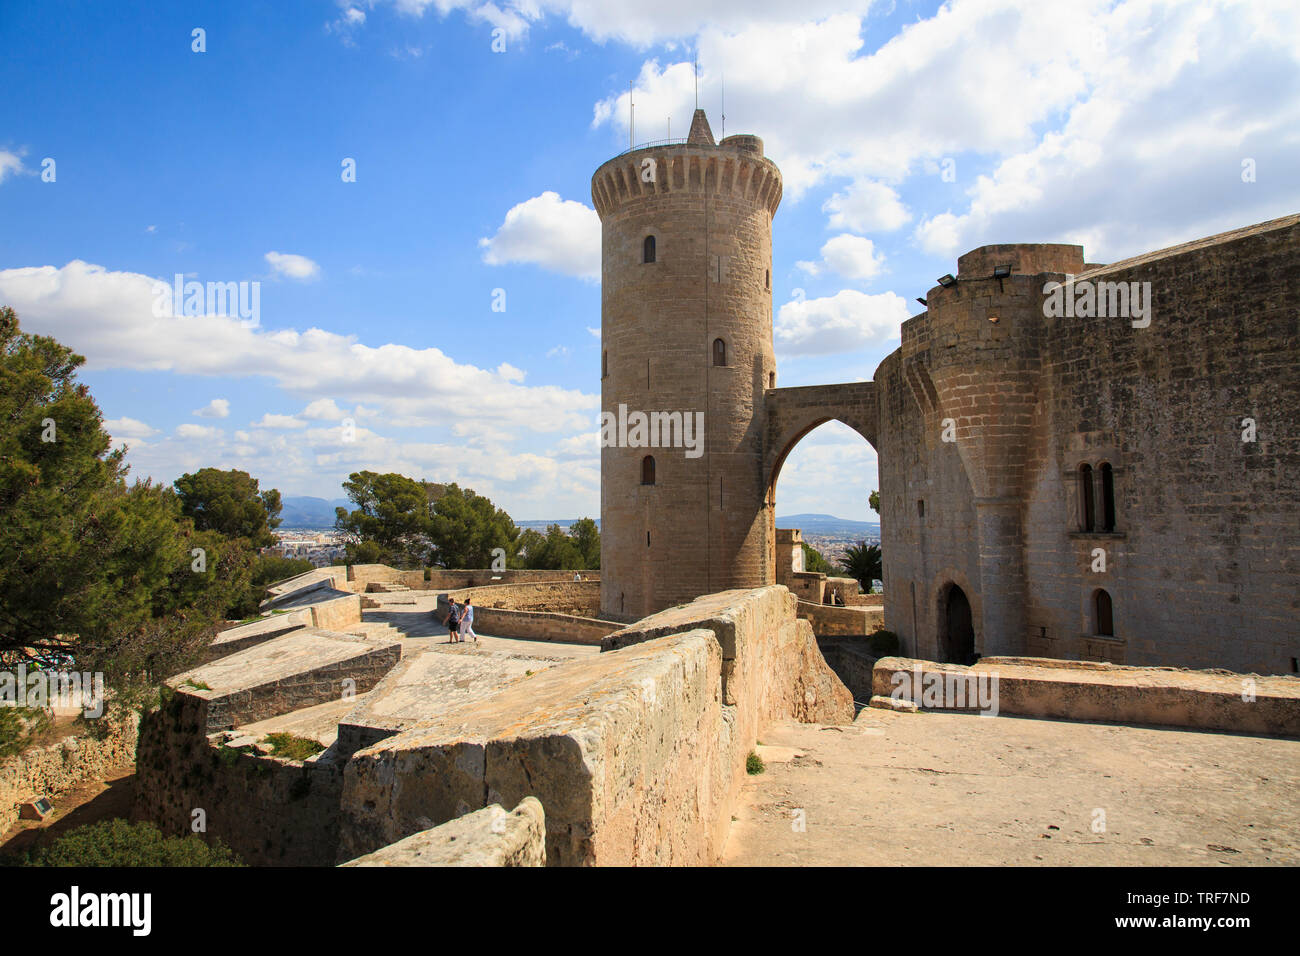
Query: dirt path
91	802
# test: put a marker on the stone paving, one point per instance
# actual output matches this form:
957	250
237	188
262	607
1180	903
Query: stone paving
941	789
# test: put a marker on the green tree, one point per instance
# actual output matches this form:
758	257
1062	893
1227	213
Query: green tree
862	562
586	536
92	572
874	501
813	560
230	503
392	522
467	528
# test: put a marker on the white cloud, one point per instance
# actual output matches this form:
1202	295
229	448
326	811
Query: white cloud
119	428
108	317
558	352
217	408
595	333
10	163
844	322
852	257
324	409
866	206
272	420
293	266
557	234
189	430
1120	125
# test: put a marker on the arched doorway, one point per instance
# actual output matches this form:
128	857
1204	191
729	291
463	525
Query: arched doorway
956	630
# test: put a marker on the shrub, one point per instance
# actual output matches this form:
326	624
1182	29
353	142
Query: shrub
291	747
883	643
18	725
118	843
754	764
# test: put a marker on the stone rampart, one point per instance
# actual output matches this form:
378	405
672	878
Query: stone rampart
637	755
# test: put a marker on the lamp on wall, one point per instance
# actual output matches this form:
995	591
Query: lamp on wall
1001	272
923	302
947	280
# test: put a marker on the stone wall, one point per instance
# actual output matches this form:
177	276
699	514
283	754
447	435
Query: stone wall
637	754
828	620
853	663
441	579
58	767
1090	691
560	597
487	837
1197	565
336	614
271	812
243	636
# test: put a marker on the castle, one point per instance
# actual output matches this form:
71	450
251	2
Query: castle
1076	460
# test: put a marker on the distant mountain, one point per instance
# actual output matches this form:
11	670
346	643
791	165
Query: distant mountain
303	512
828	524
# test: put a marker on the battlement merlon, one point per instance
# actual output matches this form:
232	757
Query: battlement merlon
734	168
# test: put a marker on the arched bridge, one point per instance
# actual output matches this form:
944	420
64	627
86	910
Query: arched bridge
794	412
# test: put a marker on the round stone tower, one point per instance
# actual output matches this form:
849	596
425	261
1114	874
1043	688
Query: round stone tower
686	337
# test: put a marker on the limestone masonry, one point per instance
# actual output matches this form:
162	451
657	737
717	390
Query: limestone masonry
1077	460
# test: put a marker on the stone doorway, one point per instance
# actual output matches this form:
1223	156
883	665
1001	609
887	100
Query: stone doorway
956	631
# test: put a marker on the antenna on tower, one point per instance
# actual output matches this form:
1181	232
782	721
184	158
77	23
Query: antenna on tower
631	117
724	103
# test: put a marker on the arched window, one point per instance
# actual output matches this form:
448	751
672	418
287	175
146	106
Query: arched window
1107	498
719	352
1088	515
771	379
648	470
648	249
1104	615
767	279
604	364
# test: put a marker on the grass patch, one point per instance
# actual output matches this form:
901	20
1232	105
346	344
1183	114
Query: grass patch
292	747
196	684
754	764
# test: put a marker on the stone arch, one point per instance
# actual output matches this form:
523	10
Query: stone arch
793	412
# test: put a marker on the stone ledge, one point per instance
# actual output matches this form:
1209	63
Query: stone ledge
1092	691
487	837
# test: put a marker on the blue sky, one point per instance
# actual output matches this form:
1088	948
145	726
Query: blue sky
907	134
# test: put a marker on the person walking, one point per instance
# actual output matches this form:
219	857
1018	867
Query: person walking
452	620
467	620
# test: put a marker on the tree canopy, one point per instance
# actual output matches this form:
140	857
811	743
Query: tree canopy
578	549
93	572
229	503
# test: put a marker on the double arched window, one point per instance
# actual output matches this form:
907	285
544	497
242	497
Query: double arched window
1091	518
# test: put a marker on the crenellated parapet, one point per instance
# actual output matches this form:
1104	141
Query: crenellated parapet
734	169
